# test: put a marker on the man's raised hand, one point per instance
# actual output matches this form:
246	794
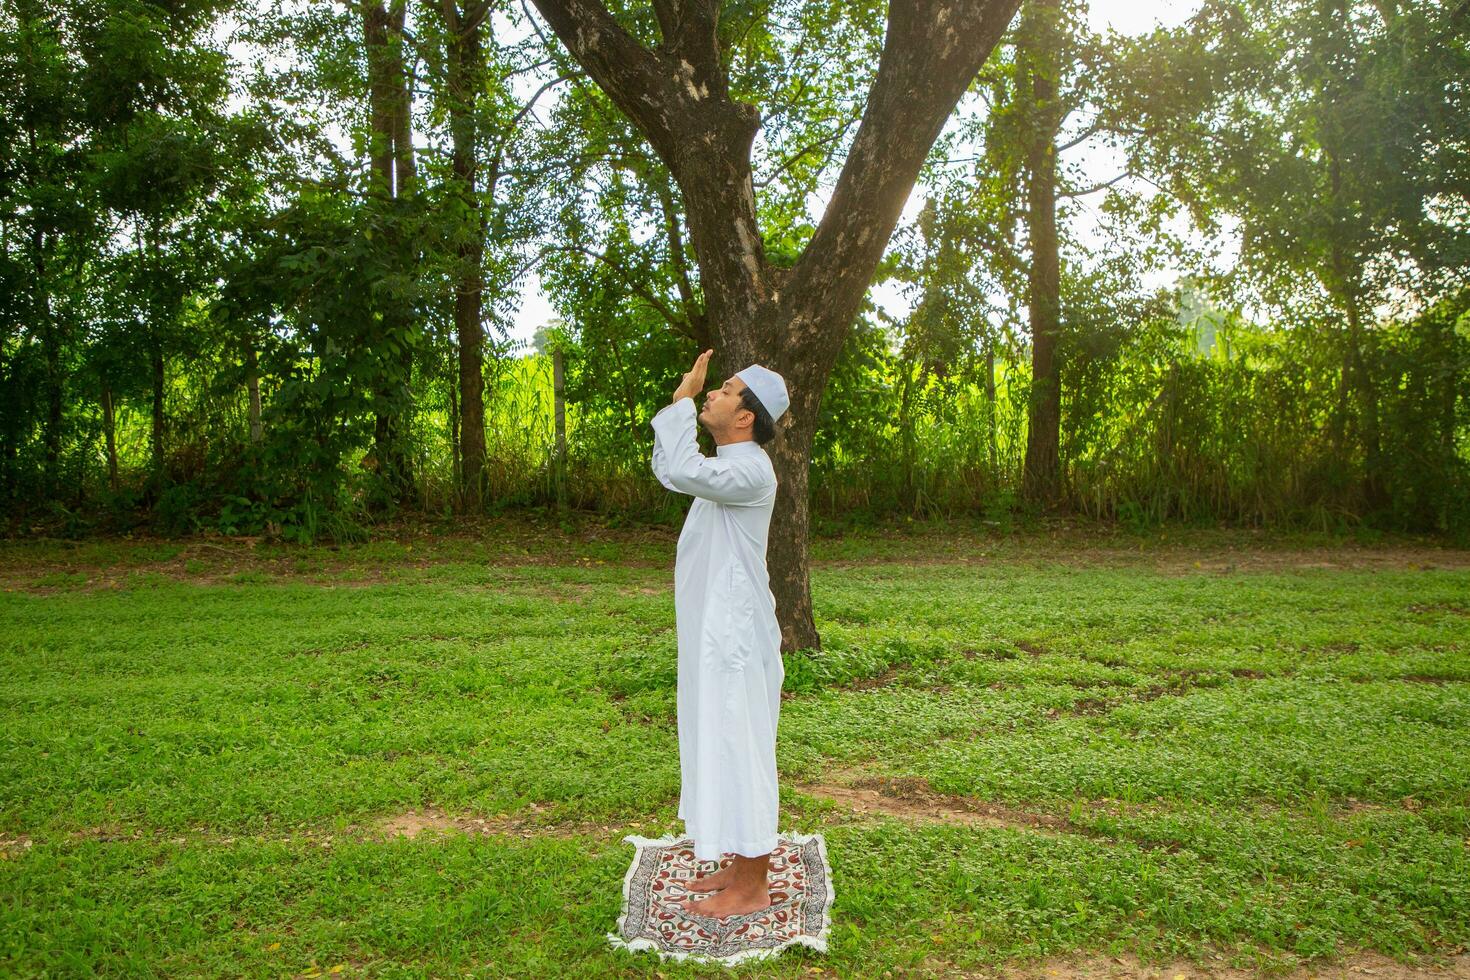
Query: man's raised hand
693	382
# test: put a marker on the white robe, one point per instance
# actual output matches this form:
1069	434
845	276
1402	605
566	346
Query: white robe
730	669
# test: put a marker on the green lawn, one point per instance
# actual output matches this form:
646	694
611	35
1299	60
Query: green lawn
1253	746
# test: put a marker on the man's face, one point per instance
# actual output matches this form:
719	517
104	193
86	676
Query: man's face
722	405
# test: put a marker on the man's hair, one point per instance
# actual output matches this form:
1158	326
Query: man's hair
765	426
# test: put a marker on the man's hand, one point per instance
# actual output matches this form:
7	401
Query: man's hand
693	382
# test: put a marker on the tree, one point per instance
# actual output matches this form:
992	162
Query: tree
484	120
393	182
1336	134
791	318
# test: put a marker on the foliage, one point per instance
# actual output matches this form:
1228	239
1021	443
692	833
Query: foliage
185	236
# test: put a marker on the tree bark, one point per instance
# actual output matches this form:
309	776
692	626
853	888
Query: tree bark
1037	56
990	420
795	320
157	434
1375	494
392	177
465	67
51	345
109	432
456	469
252	387
559	402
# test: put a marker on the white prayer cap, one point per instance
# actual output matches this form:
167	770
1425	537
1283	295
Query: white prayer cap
768	387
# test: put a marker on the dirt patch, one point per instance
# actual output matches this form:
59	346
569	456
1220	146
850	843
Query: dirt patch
879	680
1409	679
105	562
1365	965
1452	608
1084	706
105	833
530	823
913	799
535	820
13	845
414	822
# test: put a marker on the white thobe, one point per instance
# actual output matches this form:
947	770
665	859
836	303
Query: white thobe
730	668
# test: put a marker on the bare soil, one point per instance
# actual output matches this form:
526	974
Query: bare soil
1361	965
106	563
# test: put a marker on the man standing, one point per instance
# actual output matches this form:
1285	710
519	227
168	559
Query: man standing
730	668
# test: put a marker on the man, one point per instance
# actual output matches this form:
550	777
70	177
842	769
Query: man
730	668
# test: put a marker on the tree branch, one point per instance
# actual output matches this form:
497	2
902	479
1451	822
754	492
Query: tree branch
932	51
791	160
668	20
1096	187
633	285
632	76
676	246
1087	134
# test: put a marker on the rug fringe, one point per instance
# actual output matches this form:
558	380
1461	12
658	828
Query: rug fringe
640	945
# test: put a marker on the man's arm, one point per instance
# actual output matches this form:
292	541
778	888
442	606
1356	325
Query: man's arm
680	466
661	460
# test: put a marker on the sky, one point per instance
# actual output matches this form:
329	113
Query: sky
1123	16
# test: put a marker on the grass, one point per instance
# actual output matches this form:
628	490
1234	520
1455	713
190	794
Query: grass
1251	748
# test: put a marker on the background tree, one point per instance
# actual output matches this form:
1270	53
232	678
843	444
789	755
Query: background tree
1334	133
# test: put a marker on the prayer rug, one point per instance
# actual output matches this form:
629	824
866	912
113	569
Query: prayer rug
800	912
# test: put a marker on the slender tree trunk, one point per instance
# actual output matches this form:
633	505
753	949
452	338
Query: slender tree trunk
1375	495
1451	390
1037	54
1344	391
559	402
990	419
51	346
252	386
109	432
393	176
466	71
456	464
559	396
405	186
157	434
380	96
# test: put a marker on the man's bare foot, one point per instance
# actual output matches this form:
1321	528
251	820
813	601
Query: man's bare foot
731	901
714	881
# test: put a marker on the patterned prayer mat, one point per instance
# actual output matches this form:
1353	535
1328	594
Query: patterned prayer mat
800	910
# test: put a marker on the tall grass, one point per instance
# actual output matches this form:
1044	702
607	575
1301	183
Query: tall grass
1155	430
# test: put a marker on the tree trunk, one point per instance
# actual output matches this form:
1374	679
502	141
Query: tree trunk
990	419
465	61
405	185
1375	494
158	418
51	345
456	468
109	432
1037	56
392	176
794	321
559	401
252	386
